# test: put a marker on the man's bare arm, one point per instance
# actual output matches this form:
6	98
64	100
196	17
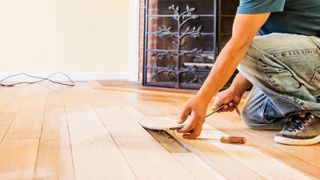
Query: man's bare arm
245	28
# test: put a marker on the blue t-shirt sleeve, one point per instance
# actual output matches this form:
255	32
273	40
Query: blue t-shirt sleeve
260	6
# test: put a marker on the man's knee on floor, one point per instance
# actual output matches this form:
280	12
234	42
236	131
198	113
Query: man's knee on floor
248	118
255	121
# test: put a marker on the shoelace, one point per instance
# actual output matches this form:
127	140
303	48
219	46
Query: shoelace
297	123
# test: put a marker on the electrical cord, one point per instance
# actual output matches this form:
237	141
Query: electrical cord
72	83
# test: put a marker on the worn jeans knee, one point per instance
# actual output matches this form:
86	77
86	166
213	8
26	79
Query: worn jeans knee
287	69
260	113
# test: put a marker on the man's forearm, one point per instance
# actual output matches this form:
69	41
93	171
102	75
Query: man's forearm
245	27
222	70
240	84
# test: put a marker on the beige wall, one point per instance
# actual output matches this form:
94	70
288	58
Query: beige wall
64	35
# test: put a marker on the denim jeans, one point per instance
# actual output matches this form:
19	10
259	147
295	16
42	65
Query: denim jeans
285	72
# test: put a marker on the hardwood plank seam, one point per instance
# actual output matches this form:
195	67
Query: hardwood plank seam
73	98
21	105
108	132
272	158
13	119
68	127
12	97
280	160
40	137
274	146
203	158
38	146
185	167
220	176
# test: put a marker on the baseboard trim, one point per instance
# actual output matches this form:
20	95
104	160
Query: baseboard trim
75	76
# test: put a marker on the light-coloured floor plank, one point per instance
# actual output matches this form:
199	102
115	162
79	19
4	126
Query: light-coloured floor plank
94	152
196	166
20	145
18	158
6	120
253	158
262	140
303	158
54	160
10	107
6	95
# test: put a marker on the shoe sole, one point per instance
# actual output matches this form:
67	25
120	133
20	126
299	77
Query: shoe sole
297	142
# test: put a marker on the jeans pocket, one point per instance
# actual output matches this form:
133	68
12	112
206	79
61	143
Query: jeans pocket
315	80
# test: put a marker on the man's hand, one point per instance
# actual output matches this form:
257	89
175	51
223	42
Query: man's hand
232	96
195	108
229	98
194	112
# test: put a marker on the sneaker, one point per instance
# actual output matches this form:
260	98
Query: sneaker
300	131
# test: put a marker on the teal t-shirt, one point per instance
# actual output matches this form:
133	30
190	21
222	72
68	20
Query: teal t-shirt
287	16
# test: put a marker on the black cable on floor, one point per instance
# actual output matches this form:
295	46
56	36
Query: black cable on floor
41	79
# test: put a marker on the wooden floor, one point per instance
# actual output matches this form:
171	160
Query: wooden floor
91	132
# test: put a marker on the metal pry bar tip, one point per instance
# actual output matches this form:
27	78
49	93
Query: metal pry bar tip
219	108
215	110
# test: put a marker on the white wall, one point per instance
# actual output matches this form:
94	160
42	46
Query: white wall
65	35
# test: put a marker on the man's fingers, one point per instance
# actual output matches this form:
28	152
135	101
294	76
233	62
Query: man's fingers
189	126
195	133
184	115
225	108
217	102
231	109
231	106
